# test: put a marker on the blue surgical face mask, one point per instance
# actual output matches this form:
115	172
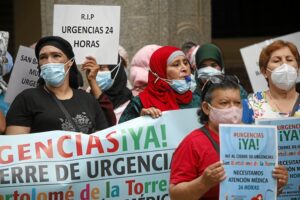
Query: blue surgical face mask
181	86
104	79
54	73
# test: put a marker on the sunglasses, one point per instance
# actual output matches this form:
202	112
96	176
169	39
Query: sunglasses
218	79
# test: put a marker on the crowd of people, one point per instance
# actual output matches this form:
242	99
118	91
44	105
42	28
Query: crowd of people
161	78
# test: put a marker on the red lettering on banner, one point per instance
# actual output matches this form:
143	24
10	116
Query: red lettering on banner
48	150
114	141
130	182
66	146
92	145
78	145
60	146
10	157
22	151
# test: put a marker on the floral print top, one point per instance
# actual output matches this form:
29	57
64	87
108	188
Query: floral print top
257	107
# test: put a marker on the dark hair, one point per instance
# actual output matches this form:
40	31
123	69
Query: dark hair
187	46
118	93
75	79
215	83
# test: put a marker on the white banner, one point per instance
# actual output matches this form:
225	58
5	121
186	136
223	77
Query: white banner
250	55
92	30
24	74
128	161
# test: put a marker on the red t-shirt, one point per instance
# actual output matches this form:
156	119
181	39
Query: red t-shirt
191	158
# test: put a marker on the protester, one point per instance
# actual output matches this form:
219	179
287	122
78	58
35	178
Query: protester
209	62
190	48
91	67
195	169
139	69
187	47
56	104
279	63
6	68
123	53
110	80
168	86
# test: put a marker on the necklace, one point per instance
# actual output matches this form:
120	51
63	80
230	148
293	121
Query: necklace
277	107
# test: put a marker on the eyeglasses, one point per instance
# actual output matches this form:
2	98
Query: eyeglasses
218	79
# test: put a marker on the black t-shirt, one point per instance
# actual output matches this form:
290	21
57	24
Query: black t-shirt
35	108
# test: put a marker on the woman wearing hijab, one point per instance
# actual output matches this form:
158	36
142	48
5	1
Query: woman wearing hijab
209	62
56	104
110	80
168	86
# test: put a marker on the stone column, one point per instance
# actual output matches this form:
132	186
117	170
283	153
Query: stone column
163	22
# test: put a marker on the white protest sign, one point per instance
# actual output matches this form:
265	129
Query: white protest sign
92	30
24	74
250	55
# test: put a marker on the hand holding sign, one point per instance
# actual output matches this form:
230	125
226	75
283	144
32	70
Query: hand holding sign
214	174
91	67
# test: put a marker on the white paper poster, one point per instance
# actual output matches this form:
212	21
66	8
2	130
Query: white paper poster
92	30
250	55
24	74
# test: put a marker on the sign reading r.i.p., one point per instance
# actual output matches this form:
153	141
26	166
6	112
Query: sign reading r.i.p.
87	16
91	30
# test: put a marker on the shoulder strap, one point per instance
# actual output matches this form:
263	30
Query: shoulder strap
63	109
295	107
213	142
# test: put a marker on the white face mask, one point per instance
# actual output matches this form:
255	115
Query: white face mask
205	72
284	77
